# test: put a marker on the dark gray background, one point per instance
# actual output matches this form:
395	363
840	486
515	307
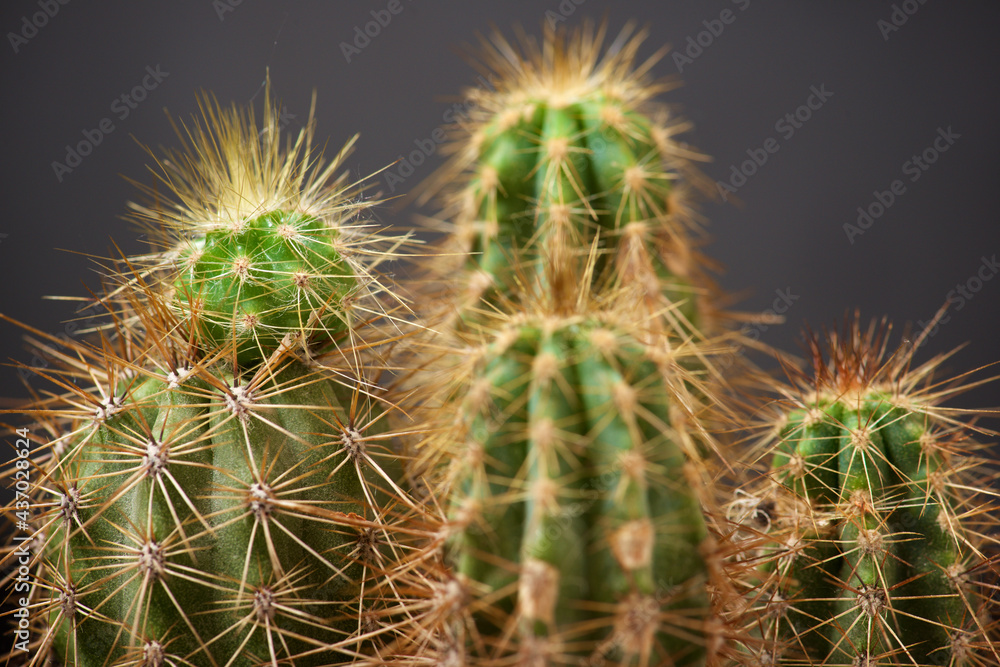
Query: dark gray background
890	96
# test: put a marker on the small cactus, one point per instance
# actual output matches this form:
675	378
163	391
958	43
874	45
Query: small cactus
276	274
878	517
264	246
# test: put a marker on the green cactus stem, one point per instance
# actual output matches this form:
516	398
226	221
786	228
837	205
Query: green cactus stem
277	274
575	488
879	505
566	149
208	517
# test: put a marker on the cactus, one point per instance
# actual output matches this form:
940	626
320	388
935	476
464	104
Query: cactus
879	516
263	247
567	437
568	456
241	282
215	491
567	149
212	489
207	517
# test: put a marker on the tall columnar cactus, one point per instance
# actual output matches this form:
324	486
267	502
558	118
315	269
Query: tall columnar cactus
879	518
569	442
211	488
567	148
574	488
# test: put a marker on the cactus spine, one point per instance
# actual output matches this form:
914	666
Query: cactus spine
879	517
212	486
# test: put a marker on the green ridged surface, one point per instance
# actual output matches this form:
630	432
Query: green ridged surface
258	534
578	503
549	182
875	571
276	274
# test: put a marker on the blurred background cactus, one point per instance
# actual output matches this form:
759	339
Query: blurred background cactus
565	374
569	151
575	492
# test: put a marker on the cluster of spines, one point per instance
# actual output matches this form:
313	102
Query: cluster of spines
871	540
265	245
